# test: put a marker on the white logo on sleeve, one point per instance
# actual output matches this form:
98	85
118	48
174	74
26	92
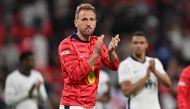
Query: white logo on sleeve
65	52
181	83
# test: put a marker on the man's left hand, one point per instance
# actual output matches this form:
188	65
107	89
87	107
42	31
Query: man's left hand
113	44
152	66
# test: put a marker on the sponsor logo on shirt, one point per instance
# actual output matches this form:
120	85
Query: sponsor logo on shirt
65	52
91	76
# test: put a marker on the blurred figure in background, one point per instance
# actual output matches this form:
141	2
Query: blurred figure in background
103	93
24	88
168	95
183	94
139	75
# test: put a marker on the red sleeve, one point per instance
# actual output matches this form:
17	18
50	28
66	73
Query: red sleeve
183	88
105	59
73	66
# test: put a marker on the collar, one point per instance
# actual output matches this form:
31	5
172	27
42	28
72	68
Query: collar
75	36
138	60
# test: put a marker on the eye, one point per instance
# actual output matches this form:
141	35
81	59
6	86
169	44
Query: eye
84	19
88	19
142	42
92	19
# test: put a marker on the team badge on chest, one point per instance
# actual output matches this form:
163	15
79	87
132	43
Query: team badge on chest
91	76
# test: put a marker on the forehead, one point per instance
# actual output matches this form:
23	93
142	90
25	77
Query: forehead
28	58
138	38
86	13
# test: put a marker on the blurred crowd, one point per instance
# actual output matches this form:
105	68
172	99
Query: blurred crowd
40	25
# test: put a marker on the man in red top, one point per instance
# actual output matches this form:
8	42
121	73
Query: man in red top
80	56
183	94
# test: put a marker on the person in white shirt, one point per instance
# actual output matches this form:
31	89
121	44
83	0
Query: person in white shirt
139	75
103	92
24	88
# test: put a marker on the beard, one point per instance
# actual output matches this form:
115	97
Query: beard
87	31
139	52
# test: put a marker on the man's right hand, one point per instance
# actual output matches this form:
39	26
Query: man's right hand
34	86
148	71
31	91
97	52
99	43
37	85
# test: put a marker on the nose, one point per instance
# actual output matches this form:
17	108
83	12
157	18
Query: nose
88	22
88	25
139	46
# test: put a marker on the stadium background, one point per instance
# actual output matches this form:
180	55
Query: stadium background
40	25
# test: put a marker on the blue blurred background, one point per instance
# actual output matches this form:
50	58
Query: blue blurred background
40	25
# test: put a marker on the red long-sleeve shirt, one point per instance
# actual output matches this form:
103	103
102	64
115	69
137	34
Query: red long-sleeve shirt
81	81
183	94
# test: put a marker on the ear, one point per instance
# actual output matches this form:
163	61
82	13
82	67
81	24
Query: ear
76	23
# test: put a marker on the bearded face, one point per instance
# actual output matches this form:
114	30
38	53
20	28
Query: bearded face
86	22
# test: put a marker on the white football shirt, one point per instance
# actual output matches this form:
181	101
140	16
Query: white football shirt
132	70
17	90
102	85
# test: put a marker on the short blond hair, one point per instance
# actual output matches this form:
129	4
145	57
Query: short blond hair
84	6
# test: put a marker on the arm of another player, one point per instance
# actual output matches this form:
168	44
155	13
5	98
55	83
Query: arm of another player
41	91
182	93
127	87
12	93
160	74
103	92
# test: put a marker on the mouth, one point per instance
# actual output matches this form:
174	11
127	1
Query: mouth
88	28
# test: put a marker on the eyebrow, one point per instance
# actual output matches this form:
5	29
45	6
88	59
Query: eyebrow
88	18
139	41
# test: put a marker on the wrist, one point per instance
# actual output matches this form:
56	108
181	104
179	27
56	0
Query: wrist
111	51
96	53
154	71
112	54
30	93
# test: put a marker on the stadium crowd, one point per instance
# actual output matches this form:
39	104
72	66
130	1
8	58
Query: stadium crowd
40	25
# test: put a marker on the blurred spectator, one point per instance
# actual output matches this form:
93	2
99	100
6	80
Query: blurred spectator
2	33
2	79
103	92
164	52
25	86
35	9
185	49
168	96
9	54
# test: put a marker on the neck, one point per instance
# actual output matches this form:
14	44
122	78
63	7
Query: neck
139	57
24	71
82	37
